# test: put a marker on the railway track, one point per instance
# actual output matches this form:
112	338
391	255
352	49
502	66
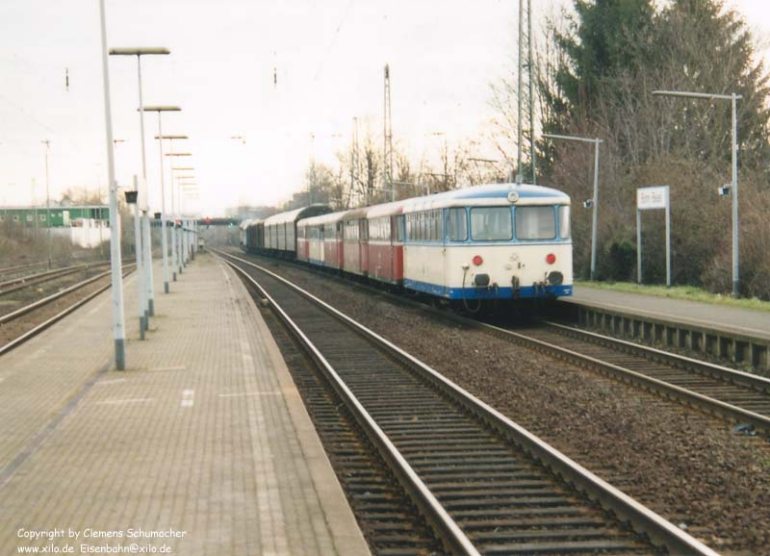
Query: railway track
19	283
384	511
737	396
39	314
9	272
483	483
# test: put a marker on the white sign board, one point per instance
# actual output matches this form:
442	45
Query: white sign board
652	197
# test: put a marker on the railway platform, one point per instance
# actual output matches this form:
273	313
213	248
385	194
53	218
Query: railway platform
734	334
202	446
736	319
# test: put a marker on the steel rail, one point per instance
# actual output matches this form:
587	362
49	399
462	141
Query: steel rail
46	300
690	398
16	342
31	279
734	376
644	520
451	533
693	399
20	268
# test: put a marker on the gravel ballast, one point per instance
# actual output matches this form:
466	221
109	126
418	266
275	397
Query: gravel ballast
688	467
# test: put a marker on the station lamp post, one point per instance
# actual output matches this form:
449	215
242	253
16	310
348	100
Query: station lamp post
190	186
733	98
163	232
180	236
594	201
174	250
144	197
185	185
47	144
116	272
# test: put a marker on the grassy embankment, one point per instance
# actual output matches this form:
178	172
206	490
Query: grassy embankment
679	292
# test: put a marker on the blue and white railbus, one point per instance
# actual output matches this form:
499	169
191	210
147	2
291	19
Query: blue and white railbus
489	242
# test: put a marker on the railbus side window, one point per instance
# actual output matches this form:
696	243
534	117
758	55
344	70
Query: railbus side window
400	229
535	222
564	223
457	224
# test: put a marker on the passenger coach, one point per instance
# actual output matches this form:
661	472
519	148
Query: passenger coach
386	242
319	240
281	229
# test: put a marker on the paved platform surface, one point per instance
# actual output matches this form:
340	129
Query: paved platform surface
742	321
202	446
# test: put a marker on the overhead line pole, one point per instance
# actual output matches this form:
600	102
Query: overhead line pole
519	134
532	153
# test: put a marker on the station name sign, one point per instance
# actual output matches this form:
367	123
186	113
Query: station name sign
652	197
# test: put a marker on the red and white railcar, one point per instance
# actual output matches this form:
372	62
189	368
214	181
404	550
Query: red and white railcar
386	242
321	237
355	234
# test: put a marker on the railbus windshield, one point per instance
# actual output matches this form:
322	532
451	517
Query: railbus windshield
535	222
491	224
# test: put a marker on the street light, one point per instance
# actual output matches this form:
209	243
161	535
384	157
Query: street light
116	272
177	180
189	186
595	199
146	244
186	184
174	251
47	144
163	235
181	260
733	98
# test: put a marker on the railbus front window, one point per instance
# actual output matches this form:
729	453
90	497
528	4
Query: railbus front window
491	224
535	223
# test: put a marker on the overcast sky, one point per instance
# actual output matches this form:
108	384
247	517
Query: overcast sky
328	55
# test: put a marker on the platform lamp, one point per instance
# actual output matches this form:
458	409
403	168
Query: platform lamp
144	197
116	271
163	230
181	260
187	185
186	169
184	183
174	250
592	203
733	98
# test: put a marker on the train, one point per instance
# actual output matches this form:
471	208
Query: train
475	245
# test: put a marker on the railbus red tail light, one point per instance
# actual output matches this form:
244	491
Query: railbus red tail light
550	258
477	260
